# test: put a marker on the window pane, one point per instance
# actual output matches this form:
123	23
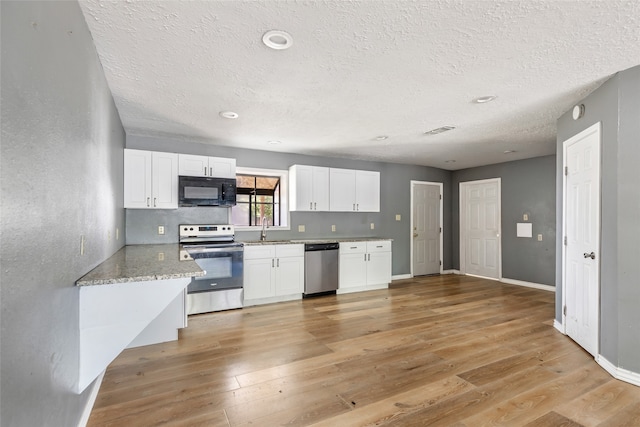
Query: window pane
240	214
242	198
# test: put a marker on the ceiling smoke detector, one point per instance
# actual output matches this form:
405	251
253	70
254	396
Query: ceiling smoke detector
381	137
277	39
439	130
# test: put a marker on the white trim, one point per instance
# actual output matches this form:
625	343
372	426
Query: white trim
461	210
529	284
401	276
441	186
450	272
618	373
86	412
559	326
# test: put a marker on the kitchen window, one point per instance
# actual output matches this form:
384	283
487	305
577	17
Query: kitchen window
260	193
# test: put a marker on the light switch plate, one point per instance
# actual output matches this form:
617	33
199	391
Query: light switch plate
333	228
398	217
301	229
525	217
373	226
539	237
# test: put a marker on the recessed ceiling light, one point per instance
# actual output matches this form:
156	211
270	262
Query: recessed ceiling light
484	99
228	115
509	151
277	39
449	161
274	142
381	137
439	130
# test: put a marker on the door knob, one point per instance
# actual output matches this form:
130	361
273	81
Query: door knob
591	255
415	234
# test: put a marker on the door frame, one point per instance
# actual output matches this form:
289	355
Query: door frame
597	127
462	206
441	186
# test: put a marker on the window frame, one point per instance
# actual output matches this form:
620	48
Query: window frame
284	197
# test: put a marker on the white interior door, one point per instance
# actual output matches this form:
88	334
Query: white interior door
582	238
480	224
426	228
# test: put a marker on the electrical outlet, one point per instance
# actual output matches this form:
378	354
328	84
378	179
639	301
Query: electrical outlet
539	237
333	228
373	226
82	245
160	256
301	229
117	234
398	217
161	229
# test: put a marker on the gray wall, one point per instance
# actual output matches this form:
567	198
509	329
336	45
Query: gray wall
616	104
61	173
395	193
528	186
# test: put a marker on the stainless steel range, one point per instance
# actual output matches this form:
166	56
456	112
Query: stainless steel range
213	248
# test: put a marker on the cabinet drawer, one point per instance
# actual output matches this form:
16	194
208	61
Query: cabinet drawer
259	252
284	251
379	246
353	247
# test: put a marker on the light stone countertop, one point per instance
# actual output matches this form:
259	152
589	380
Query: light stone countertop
141	263
303	241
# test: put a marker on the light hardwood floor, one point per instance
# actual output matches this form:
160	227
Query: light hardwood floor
433	351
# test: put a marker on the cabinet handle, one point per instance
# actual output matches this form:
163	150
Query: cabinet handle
148	200
273	262
278	263
315	208
353	247
354	206
379	246
154	202
365	257
310	206
205	171
357	206
210	171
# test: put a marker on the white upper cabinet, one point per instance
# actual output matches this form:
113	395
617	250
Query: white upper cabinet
354	190
308	188
218	167
150	180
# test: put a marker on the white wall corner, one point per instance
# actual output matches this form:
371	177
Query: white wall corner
618	373
529	284
559	326
86	413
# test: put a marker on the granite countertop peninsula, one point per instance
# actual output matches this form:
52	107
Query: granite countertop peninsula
323	240
140	263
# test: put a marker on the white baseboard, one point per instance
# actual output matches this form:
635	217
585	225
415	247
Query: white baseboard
86	413
450	272
401	277
619	373
559	326
529	284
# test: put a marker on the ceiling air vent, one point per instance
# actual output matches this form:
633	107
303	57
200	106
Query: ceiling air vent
439	130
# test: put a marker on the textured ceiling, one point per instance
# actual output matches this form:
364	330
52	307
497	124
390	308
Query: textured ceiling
361	69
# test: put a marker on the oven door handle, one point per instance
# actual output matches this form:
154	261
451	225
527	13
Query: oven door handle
207	249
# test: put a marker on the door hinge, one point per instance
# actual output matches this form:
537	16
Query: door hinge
566	170
441	229
564	310
441	197
565	240
440	262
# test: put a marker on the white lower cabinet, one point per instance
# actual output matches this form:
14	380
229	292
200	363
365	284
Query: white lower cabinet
364	266
273	273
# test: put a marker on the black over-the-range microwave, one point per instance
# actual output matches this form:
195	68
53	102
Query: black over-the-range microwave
201	191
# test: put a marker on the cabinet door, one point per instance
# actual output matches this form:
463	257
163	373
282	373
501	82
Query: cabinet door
301	188
367	191
191	165
137	179
342	190
259	278
289	275
320	189
220	167
353	270
165	180
378	268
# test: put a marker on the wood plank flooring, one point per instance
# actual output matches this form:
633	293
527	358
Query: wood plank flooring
432	351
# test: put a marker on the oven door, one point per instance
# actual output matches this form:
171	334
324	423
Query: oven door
222	264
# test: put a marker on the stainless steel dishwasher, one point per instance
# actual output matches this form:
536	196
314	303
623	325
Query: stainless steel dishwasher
320	268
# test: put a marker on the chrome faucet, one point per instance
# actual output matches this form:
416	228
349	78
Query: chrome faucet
263	233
